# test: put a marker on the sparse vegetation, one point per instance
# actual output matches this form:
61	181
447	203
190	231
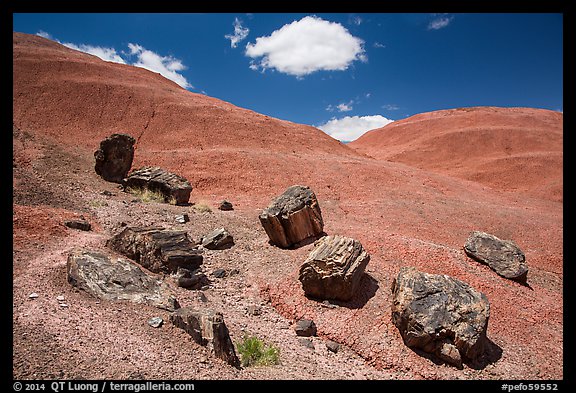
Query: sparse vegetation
254	352
97	204
147	195
202	207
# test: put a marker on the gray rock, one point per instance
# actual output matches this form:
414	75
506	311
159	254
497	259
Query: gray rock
191	279
334	268
292	217
440	315
182	219
219	273
80	224
253	310
332	346
502	256
157	249
114	157
111	278
305	328
33	295
208	329
218	239
155	322
307	342
170	185
225	205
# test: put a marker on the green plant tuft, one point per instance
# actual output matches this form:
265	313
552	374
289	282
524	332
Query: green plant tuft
253	352
147	195
202	207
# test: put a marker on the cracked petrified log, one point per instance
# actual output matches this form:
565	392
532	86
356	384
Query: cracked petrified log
440	315
218	239
208	329
292	217
334	268
157	249
114	157
111	278
502	256
156	179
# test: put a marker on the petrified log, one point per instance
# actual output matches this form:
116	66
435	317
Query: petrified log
334	268
114	157
502	256
208	329
156	179
157	249
292	217
440	315
112	278
218	239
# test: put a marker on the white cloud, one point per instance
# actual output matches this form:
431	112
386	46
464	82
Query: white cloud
355	19
350	128
391	107
106	54
167	66
306	46
440	21
345	107
342	107
42	33
240	33
378	45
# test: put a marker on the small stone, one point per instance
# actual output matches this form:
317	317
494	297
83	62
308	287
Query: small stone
219	273
155	322
305	328
60	298
225	205
253	309
33	295
63	305
182	219
80	224
307	342
332	346
234	271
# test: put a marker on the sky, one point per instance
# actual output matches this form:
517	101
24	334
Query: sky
343	73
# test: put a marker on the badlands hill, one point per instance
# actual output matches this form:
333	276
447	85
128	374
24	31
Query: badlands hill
511	149
410	202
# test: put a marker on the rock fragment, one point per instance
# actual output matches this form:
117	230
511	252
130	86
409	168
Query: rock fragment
334	268
292	217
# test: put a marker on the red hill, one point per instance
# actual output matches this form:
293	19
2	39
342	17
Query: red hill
511	149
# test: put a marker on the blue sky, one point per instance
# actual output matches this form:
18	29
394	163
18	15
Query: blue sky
344	73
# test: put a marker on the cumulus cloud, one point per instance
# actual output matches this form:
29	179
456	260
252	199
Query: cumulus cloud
440	21
107	54
240	33
350	128
167	66
306	46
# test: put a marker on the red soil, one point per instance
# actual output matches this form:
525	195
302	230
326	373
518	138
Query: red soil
414	204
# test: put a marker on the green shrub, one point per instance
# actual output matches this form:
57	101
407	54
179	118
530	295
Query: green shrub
253	352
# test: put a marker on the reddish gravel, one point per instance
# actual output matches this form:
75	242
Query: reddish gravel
414	204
